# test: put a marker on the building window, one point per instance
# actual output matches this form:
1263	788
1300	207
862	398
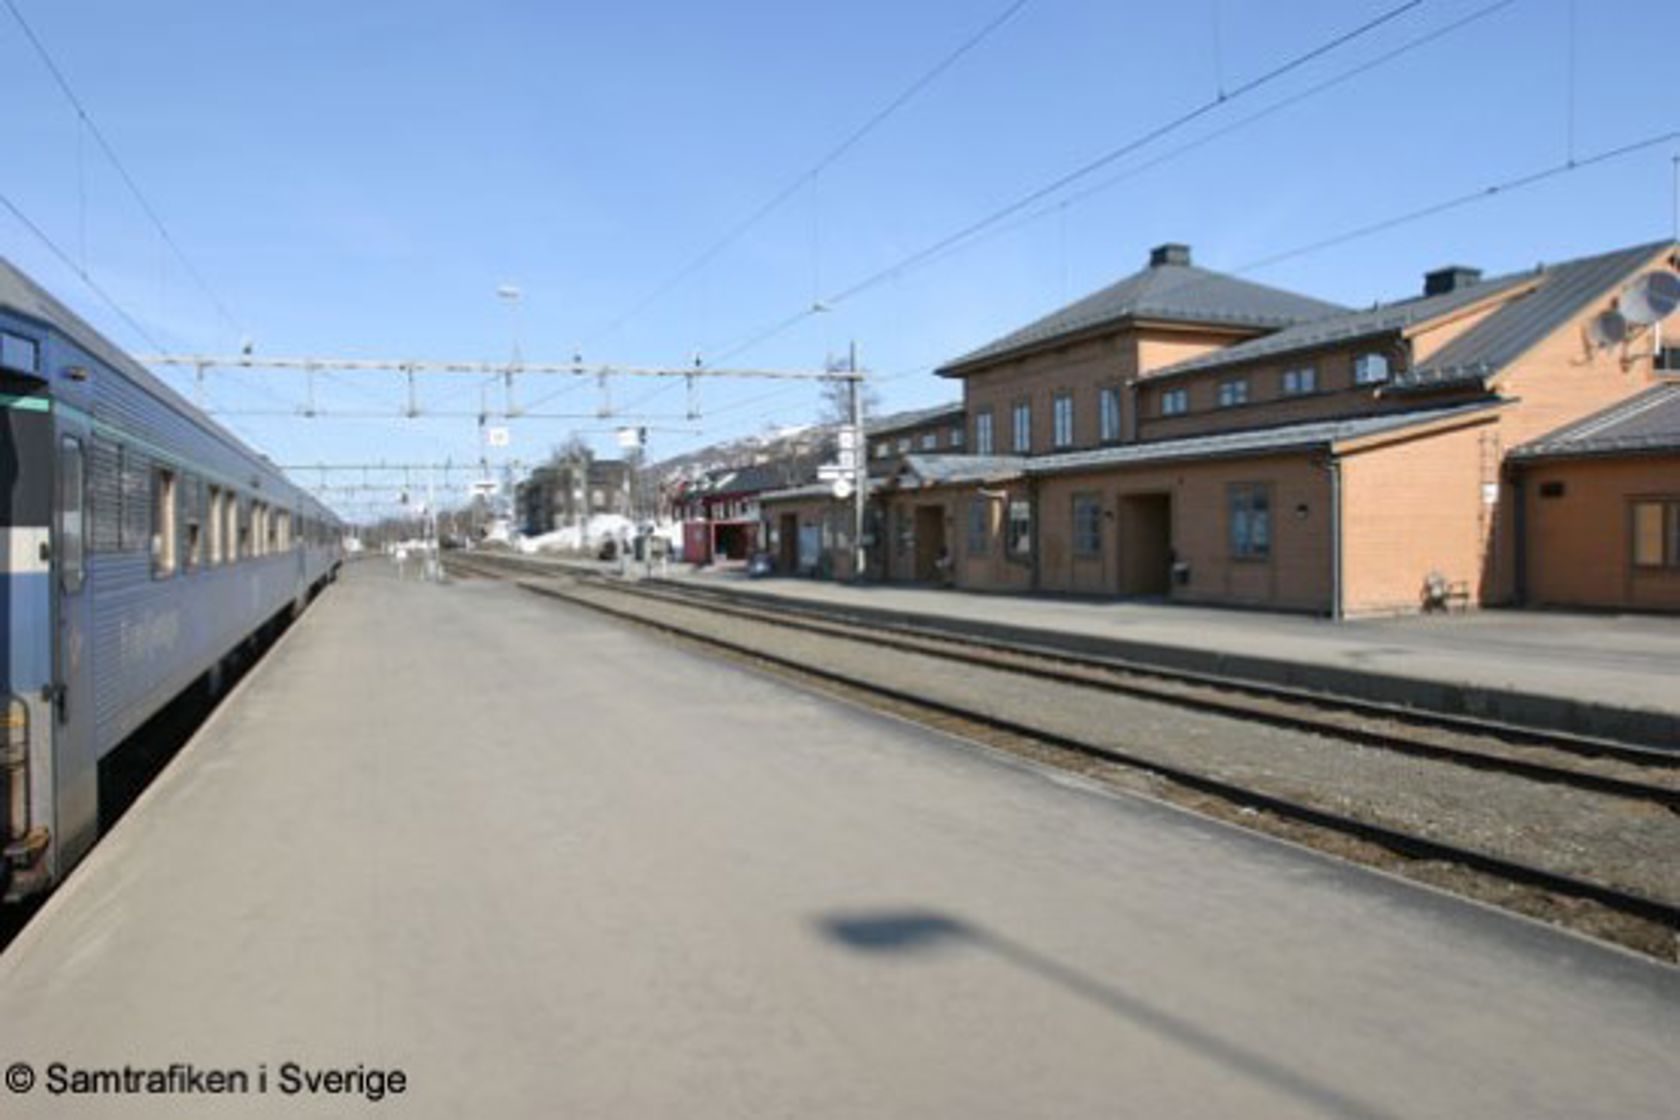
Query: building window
930	441
1061	413
19	353
1370	369
1022	430
1233	392
880	449
983	443
1250	507
1656	533
904	445
1087	525
1175	402
163	524
1020	529
956	437
979	526
1297	382
1108	410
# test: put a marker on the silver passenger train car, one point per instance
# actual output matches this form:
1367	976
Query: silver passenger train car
140	545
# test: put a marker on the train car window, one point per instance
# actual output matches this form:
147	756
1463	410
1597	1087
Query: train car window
104	496
242	516
136	500
165	555
19	353
192	524
213	525
71	515
231	526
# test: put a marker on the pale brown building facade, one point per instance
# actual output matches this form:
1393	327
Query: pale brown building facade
1197	438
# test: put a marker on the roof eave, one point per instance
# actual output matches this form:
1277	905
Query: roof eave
1174	372
967	366
1465	419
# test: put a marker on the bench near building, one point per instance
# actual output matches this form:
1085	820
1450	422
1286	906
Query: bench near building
1190	435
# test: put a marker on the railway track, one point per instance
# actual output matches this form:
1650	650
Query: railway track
1635	774
1580	762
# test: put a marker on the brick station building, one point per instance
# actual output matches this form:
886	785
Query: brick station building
1200	438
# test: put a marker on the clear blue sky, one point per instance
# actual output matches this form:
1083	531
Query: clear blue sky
358	178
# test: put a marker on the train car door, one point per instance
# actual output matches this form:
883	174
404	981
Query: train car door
77	770
26	611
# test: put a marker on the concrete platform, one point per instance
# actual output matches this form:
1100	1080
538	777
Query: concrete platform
1613	676
549	866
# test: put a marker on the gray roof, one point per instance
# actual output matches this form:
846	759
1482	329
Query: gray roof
1497	341
1645	423
1380	320
914	418
811	490
1560	291
939	470
1254	441
746	480
1177	293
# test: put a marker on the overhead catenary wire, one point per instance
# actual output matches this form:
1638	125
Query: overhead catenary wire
92	284
1061	182
1205	139
808	176
86	121
1481	194
1497	189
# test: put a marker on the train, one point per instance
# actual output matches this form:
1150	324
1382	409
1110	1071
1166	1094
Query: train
143	547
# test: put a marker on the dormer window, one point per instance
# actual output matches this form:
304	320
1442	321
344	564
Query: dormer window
1175	402
1370	369
1298	382
1233	392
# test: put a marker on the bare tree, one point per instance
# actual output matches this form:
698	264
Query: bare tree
574	450
834	404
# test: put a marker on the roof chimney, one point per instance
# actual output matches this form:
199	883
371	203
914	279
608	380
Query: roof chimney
1170	253
1450	279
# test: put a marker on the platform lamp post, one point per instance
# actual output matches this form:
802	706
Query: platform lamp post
860	470
512	296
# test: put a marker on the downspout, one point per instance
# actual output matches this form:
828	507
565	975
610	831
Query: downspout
1337	610
1035	519
1519	531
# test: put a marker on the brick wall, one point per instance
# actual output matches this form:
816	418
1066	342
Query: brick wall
1414	507
1579	543
1294	576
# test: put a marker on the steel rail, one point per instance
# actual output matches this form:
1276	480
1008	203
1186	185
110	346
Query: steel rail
1516	734
1217	695
1402	843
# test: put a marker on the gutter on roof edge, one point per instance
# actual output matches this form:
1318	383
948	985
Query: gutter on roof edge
964	367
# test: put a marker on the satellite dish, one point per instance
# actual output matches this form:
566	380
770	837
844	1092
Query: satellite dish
1607	329
1651	298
